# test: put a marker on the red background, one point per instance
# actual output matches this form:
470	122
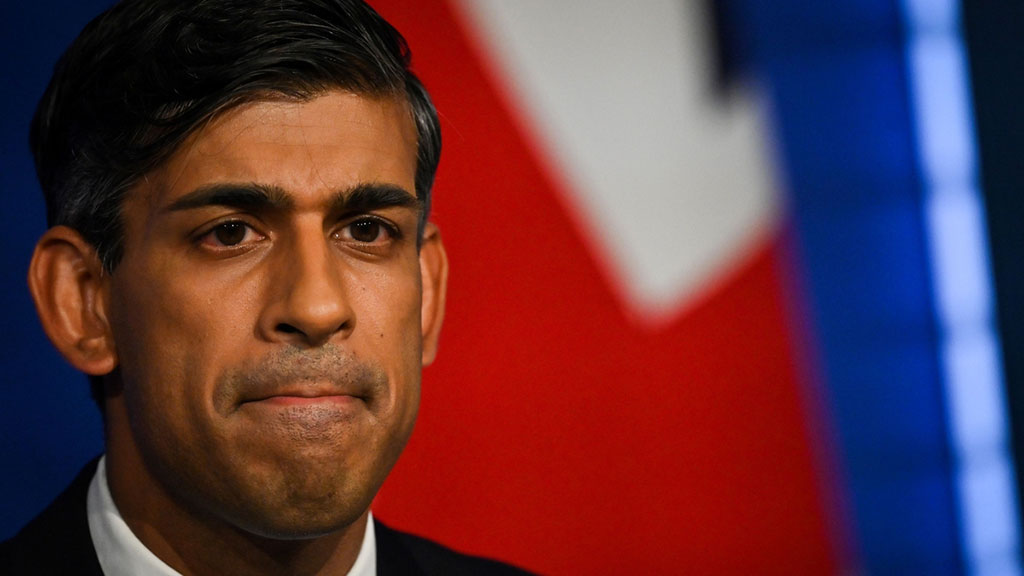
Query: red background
560	433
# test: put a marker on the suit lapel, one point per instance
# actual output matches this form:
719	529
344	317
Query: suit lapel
393	558
58	540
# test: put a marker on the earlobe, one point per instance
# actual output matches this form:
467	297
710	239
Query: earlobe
70	289
434	272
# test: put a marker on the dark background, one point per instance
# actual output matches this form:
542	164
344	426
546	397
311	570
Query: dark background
41	391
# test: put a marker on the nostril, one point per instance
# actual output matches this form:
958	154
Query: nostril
287	329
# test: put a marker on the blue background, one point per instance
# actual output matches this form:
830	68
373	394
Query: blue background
49	426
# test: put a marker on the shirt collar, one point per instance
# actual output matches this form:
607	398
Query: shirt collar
121	553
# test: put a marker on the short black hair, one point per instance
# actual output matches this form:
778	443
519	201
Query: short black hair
145	74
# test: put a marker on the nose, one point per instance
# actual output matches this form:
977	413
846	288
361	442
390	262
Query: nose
310	305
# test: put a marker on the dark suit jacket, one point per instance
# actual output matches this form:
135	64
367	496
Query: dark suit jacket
58	542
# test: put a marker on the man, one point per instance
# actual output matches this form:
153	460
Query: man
240	259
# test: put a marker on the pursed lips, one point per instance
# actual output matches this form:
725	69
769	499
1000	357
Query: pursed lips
328	377
306	395
320	414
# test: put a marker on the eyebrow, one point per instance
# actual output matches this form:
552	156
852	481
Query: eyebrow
367	197
261	197
249	196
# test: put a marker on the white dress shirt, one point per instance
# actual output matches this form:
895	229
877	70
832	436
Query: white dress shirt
122	554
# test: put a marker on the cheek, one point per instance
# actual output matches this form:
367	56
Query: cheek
156	343
177	336
389	314
390	310
177	328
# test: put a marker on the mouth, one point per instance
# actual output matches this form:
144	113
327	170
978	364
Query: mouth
305	395
305	413
292	400
327	381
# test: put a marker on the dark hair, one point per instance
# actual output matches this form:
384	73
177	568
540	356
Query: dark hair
145	74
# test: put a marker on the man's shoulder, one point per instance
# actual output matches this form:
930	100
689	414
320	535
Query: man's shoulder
57	541
403	553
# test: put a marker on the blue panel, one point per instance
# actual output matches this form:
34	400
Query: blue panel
837	80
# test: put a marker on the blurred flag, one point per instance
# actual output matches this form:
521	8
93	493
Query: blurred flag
618	390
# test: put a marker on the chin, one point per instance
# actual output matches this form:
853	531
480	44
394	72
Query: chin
301	523
286	502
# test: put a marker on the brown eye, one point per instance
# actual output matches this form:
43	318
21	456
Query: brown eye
365	231
230	233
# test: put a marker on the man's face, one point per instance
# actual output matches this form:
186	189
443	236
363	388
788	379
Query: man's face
267	315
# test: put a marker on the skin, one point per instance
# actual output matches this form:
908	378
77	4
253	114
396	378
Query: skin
264	333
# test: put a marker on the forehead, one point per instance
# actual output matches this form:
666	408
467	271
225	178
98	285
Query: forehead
307	148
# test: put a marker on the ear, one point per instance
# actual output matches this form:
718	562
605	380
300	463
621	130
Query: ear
434	273
70	289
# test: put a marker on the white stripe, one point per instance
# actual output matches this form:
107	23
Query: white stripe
955	223
671	183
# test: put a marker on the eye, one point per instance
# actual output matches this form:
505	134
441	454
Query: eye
368	231
365	230
230	234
